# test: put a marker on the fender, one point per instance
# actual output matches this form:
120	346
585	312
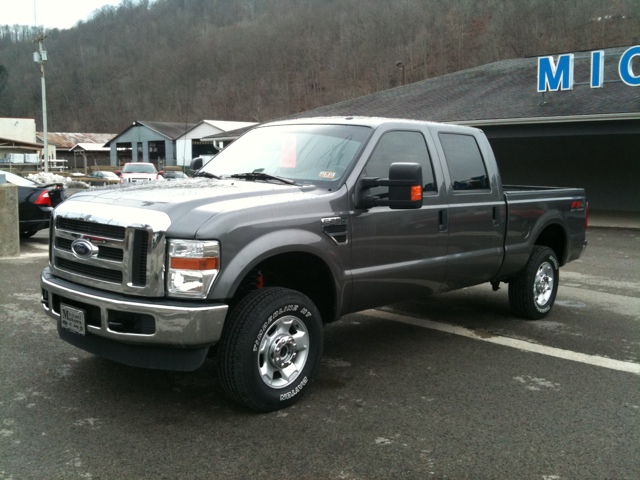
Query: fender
522	235
275	243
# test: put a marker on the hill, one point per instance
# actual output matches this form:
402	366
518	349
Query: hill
255	60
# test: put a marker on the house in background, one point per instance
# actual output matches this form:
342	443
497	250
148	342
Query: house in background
89	156
195	142
153	142
68	156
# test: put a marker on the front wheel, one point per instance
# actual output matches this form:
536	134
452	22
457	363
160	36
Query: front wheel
270	348
532	292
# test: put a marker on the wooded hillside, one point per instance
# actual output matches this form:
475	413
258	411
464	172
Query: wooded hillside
256	60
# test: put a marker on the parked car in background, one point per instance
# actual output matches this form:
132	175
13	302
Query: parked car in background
174	175
100	177
136	172
36	201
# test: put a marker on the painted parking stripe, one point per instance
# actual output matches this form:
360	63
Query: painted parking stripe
609	363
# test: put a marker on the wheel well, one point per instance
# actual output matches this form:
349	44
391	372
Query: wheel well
298	271
554	237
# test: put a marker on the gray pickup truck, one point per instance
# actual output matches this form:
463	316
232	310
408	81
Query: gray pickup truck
290	227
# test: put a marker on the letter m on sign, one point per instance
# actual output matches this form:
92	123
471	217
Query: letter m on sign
553	77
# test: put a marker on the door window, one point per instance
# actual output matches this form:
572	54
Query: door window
466	166
399	146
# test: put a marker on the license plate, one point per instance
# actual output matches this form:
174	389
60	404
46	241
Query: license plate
72	319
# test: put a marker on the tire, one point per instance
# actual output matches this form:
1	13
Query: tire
532	292
270	348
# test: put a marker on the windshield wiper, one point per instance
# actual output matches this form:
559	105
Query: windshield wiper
207	175
262	176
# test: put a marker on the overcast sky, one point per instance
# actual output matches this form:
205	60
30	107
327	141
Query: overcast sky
49	13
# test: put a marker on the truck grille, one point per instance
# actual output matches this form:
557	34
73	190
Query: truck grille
110	253
90	228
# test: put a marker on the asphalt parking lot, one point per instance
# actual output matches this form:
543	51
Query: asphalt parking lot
449	387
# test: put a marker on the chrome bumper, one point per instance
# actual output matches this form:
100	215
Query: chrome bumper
177	324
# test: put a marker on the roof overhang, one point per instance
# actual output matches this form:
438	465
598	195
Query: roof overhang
10	143
548	120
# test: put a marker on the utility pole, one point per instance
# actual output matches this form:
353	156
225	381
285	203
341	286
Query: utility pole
40	57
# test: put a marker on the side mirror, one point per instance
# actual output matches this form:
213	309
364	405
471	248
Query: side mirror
405	188
196	164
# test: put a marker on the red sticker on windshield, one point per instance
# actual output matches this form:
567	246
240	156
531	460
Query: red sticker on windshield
288	159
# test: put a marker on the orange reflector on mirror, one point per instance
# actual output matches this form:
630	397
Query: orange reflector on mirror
416	193
208	263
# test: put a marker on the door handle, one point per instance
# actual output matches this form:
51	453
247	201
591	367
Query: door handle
496	217
443	221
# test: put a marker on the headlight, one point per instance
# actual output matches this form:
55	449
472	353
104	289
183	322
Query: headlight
193	267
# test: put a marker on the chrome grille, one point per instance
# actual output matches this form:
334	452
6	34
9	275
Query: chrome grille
127	255
90	228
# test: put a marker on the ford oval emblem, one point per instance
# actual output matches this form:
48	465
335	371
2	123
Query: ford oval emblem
83	248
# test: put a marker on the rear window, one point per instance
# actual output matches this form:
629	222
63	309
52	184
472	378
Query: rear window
466	165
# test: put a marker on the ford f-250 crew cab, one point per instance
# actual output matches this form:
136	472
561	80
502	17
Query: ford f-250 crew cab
293	225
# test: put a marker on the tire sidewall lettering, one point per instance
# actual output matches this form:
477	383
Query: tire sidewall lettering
290	309
303	314
292	393
544	309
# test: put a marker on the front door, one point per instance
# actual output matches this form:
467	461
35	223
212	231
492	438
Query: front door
399	254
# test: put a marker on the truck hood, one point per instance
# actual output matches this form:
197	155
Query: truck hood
191	202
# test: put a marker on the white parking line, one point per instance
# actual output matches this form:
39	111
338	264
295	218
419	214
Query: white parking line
619	365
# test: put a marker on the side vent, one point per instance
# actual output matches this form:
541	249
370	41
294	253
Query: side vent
336	228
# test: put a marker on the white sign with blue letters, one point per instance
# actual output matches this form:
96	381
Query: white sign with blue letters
554	76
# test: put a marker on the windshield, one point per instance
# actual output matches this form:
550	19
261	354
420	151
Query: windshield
304	153
139	168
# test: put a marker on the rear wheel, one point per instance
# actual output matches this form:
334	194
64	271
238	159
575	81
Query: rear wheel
270	348
532	292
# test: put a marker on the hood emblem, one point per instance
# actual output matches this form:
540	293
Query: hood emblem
83	248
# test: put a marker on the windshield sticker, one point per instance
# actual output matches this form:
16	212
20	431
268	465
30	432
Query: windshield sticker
329	175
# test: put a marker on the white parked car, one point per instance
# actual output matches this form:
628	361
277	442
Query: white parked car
138	172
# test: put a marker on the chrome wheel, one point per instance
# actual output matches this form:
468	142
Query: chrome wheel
532	291
283	352
270	348
543	284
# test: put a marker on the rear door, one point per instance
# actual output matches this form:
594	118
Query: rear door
398	254
476	209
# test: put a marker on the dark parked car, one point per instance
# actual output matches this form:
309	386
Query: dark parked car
35	202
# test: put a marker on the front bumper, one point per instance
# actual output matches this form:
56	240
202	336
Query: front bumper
138	324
